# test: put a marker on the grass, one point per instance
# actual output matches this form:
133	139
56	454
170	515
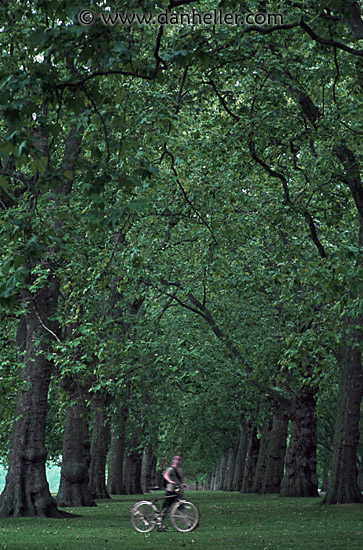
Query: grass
228	520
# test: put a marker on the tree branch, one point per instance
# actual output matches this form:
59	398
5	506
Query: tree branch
353	179
188	201
287	200
222	100
201	310
102	122
143	76
331	43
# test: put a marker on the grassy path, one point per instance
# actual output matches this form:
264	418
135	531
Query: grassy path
228	520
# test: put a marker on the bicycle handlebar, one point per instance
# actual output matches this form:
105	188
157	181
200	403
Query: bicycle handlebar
179	489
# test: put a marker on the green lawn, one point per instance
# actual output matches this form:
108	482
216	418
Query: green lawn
228	520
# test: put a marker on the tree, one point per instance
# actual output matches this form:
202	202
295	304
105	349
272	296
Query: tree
41	81
206	182
303	130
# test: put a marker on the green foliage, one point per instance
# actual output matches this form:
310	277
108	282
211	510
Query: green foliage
205	171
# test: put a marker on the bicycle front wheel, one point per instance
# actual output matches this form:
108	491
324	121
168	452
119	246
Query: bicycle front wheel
184	516
143	516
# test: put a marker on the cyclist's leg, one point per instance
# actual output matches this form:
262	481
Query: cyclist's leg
169	500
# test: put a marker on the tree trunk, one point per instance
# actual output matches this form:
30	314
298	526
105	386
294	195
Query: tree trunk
253	452
300	479
276	454
132	476
209	481
261	465
74	484
146	469
26	491
325	480
222	471
154	474
240	458
115	480
212	480
343	482
99	448
215	478
158	477
231	462
360	477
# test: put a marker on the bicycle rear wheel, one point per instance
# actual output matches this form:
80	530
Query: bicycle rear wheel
143	516
184	516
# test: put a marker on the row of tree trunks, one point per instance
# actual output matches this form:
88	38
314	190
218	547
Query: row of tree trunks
300	478
84	464
269	468
137	470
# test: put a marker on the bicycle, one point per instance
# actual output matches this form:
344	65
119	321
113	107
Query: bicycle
184	515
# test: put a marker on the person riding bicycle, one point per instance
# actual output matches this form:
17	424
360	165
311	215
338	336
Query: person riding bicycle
174	477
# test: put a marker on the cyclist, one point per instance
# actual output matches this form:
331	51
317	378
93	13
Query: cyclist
174	476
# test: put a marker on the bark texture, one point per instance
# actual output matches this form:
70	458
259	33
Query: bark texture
26	490
222	471
148	461
212	480
325	477
253	451
343	482
132	476
300	479
231	461
261	465
155	480
74	483
276	454
240	458
360	477
99	448
115	479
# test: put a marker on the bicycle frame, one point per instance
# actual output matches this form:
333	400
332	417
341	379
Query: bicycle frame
148	513
179	491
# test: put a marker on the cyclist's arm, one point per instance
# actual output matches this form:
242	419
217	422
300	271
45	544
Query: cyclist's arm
168	478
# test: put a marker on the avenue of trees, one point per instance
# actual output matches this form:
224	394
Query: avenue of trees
181	241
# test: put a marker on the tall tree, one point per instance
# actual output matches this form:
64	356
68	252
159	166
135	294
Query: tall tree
47	101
